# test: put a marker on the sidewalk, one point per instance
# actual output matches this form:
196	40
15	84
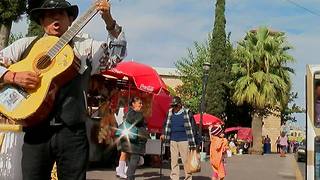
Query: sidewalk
242	167
266	167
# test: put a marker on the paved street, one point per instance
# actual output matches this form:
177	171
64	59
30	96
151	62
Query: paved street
242	167
266	167
302	170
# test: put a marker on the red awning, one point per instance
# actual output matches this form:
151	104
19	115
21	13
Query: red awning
144	77
160	107
244	133
207	119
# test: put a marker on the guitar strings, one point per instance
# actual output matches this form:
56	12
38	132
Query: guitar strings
43	61
54	50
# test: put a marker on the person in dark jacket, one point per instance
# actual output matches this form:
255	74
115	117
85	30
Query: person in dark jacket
180	132
134	147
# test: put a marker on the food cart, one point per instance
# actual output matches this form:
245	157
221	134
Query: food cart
108	99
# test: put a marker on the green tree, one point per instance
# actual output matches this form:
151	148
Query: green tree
219	57
14	37
191	73
287	114
262	77
10	10
34	29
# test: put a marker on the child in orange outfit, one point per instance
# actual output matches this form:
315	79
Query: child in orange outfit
218	148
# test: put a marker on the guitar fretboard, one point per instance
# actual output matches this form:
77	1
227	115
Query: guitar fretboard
72	31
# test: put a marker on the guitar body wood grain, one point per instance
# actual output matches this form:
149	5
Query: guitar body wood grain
38	103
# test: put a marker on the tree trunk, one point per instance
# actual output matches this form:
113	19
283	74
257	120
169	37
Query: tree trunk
4	34
256	126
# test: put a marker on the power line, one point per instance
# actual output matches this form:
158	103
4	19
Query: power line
304	8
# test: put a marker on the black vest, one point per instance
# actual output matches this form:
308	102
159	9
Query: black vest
70	106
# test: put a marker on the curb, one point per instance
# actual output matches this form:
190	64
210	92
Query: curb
297	170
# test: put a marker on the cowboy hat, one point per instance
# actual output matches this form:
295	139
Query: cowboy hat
72	10
176	100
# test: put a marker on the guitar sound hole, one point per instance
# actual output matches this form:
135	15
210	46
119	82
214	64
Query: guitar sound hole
44	62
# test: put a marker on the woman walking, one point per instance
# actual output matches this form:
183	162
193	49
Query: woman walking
134	144
121	170
283	144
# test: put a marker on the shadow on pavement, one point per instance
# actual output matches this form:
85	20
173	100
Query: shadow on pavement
150	175
156	176
201	178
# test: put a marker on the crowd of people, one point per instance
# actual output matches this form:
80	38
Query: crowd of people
285	145
238	146
180	134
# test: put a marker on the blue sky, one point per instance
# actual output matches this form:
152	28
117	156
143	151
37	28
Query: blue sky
160	31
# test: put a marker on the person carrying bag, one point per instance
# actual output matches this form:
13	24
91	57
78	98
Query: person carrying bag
180	132
193	164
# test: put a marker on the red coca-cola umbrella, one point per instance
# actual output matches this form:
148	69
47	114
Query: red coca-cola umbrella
160	107
144	77
207	119
244	133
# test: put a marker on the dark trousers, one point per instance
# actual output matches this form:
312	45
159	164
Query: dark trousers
132	166
67	146
278	148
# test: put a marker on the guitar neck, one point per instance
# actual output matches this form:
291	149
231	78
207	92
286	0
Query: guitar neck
72	31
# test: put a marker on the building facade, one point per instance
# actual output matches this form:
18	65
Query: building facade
170	76
272	127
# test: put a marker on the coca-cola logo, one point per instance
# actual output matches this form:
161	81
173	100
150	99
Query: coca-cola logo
146	88
116	71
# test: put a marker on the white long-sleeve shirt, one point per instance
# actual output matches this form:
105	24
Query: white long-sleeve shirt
102	54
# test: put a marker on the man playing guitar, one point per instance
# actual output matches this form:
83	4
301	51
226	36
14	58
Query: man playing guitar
61	138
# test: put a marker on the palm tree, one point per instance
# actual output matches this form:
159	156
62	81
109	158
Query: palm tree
262	77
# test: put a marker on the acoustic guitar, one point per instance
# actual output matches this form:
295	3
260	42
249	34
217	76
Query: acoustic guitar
54	60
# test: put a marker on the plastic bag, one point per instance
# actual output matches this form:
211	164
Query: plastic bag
193	164
229	153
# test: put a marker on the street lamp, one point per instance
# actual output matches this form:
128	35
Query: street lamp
206	67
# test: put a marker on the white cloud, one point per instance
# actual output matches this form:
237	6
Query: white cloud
157	35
